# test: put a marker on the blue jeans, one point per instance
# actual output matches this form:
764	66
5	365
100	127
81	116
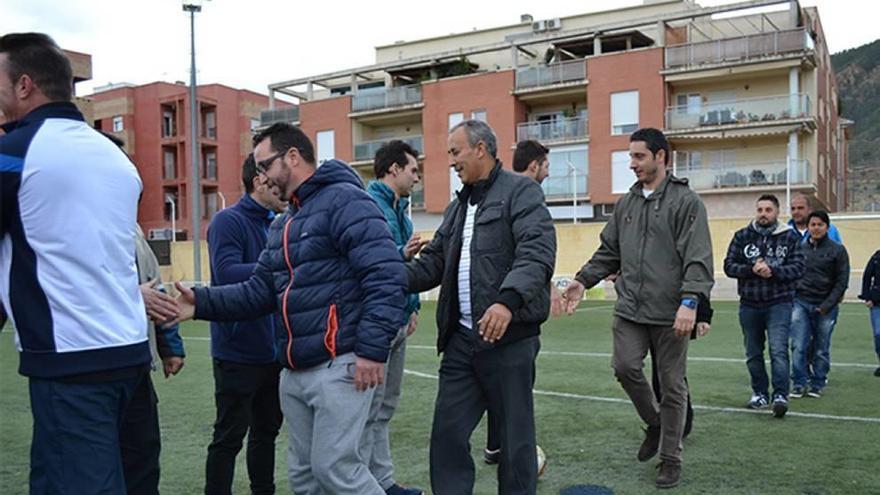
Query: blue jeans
809	328
875	324
770	323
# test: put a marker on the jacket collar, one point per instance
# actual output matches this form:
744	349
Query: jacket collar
383	192
475	192
251	208
55	109
637	188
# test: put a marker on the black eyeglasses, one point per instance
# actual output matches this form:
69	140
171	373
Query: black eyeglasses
263	165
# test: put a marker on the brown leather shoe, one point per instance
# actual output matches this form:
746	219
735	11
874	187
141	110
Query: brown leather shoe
651	443
669	475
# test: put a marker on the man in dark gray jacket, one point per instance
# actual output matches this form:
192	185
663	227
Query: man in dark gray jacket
494	255
816	304
658	239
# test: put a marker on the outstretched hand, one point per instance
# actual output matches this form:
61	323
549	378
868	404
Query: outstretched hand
186	304
573	295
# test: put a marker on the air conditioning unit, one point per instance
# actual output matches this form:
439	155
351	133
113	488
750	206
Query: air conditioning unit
160	235
554	24
539	26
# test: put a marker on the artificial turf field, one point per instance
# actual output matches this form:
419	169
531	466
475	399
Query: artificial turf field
585	423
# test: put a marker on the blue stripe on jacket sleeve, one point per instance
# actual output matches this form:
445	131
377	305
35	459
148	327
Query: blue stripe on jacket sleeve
11	163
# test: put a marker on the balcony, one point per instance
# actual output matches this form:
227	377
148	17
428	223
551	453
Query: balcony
719	176
572	71
288	115
740	49
746	111
553	131
367	150
370	100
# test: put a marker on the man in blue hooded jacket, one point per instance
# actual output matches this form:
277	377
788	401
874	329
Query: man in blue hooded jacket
245	368
397	172
332	272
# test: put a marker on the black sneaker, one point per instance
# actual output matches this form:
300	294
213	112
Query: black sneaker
650	445
815	393
669	475
491	456
780	406
797	392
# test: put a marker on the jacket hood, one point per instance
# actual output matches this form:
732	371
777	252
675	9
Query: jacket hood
780	227
328	173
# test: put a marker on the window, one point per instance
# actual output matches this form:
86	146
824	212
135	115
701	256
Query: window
479	115
688	160
622	177
209	208
170	165
454	182
254	124
171	207
455	119
117	124
689	103
325	146
210	165
210	125
168	123
569	166
624	112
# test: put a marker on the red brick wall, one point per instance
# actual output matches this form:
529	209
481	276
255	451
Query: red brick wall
145	124
324	115
613	73
490	92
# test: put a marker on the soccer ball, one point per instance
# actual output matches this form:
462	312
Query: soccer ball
542	460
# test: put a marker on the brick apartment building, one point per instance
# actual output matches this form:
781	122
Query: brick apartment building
745	92
154	121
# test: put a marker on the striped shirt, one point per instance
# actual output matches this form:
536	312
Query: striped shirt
464	269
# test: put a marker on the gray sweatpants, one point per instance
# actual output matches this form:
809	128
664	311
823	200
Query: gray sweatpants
325	419
376	445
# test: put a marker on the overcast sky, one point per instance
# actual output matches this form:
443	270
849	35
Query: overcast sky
249	44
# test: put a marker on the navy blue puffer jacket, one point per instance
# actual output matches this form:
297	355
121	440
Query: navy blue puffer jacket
331	270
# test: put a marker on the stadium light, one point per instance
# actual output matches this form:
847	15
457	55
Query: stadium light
193	6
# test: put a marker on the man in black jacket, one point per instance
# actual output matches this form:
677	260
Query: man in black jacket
826	276
871	295
494	255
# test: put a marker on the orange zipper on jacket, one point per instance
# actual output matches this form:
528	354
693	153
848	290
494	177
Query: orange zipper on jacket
332	329
287	292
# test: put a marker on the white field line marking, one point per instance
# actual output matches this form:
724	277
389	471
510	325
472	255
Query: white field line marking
615	400
690	358
608	355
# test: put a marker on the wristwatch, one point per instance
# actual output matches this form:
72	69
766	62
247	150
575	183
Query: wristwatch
689	303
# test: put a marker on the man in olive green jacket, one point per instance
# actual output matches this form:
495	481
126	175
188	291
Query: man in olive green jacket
658	239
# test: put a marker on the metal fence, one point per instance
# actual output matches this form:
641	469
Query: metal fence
738	48
740	111
546	75
385	98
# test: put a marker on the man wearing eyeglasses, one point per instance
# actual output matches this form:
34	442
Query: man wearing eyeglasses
332	271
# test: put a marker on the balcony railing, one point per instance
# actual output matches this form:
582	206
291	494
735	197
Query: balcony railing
367	150
727	175
287	114
546	75
742	111
559	130
386	98
738	49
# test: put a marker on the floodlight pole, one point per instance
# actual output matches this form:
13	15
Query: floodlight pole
196	189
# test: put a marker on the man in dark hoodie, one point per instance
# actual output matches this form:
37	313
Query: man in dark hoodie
245	366
658	239
332	271
767	262
871	295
